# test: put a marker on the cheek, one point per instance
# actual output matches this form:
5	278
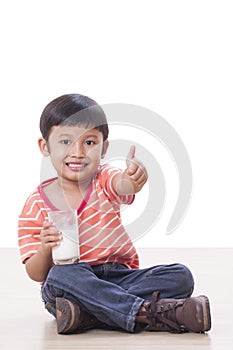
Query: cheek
57	164
57	159
58	152
95	152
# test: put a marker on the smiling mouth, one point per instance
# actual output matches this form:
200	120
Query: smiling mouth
76	166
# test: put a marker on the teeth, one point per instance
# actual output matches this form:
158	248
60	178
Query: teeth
76	166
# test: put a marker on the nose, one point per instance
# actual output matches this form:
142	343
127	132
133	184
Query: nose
76	150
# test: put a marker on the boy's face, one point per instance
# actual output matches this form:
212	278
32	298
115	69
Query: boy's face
75	152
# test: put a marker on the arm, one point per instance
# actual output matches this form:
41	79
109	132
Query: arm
133	178
38	265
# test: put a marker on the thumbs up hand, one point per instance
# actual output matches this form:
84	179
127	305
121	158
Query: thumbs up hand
133	178
135	170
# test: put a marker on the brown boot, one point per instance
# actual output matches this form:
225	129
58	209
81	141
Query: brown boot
179	315
71	318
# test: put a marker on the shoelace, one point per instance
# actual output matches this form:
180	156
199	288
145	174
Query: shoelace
159	314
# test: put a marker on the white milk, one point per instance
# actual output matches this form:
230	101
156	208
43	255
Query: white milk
67	252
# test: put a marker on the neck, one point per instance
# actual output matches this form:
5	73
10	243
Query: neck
69	194
72	187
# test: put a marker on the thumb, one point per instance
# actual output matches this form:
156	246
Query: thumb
131	153
130	156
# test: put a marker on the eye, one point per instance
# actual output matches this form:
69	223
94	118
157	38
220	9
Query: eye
89	142
65	142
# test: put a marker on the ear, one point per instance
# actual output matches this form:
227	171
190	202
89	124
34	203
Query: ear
43	146
104	149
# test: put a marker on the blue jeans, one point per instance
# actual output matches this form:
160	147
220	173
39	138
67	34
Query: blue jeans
112	292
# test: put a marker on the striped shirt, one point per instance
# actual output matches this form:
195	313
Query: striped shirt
102	236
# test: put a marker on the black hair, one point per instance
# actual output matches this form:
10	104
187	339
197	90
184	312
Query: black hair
73	109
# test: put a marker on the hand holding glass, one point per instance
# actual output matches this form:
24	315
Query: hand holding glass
67	252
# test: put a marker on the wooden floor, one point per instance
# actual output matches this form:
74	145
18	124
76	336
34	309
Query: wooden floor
24	324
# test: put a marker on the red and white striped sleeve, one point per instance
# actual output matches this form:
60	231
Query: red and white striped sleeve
106	175
30	224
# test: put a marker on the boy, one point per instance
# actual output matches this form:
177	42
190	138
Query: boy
106	288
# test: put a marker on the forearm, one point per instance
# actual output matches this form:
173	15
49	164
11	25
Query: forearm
38	265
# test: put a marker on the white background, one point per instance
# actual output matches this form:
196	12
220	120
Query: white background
173	57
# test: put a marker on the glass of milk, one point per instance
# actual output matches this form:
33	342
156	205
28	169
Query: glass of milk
67	252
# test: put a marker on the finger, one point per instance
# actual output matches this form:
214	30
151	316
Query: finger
132	168
52	240
131	153
51	237
49	232
47	224
139	175
142	180
131	161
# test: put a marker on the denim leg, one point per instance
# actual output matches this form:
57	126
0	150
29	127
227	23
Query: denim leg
112	292
109	302
172	281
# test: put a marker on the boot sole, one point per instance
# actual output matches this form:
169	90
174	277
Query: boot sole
206	313
67	316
